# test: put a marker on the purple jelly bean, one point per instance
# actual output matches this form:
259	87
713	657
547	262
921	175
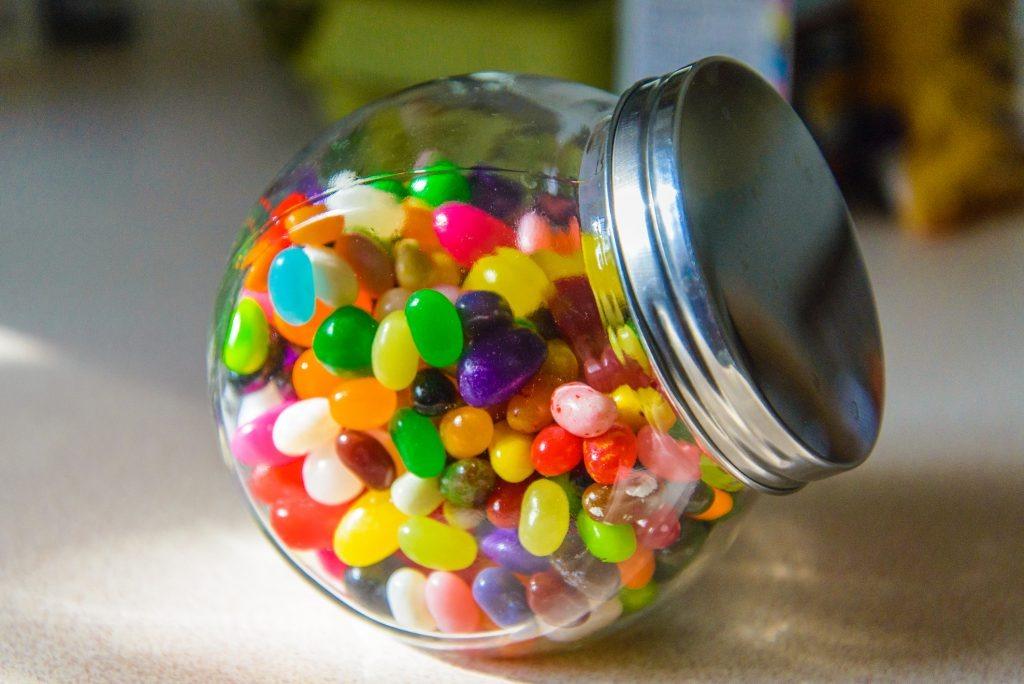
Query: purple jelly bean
482	310
498	364
495	194
501	596
502	546
558	210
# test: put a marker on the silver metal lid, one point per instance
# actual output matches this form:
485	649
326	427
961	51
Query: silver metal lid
741	270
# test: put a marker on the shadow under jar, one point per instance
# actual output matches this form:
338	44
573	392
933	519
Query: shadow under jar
500	359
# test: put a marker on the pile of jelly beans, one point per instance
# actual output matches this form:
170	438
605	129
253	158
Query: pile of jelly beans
430	410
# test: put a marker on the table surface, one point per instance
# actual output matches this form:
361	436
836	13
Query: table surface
126	553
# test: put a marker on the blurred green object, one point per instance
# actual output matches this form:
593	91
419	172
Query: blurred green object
355	51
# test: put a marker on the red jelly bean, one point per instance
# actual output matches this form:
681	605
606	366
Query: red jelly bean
302	523
555	451
659	530
605	456
505	502
270	484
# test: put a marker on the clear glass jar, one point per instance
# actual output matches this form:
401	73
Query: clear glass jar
446	391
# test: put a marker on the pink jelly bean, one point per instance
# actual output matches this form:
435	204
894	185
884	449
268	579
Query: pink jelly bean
331	564
450	602
253	444
452	292
534	233
667	457
582	410
469	233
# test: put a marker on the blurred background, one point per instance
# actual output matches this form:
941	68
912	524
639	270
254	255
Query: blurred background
134	136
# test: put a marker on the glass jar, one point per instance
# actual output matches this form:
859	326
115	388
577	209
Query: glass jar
500	359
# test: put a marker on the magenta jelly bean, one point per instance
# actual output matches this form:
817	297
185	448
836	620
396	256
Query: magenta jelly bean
468	233
253	443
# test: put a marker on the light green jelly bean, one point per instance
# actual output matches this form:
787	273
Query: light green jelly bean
543	517
435	327
637	599
393	355
248	340
610	543
435	545
711	473
418	443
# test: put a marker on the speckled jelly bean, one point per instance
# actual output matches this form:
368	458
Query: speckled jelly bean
418	443
344	341
368	532
481	311
291	286
433	392
435	327
609	454
253	442
582	410
468	233
450	602
501	596
553	601
248	338
610	543
362	404
555	450
406	594
366	458
544	517
327	479
666	457
509	452
369	208
436	545
466	431
304	425
393	355
440	182
467	482
497	365
514	276
502	546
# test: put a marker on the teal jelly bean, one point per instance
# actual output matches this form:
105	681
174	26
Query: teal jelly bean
344	341
610	543
418	443
247	342
291	286
435	326
637	599
440	182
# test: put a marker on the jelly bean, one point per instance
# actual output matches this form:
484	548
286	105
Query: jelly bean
627	404
253	443
311	379
625	343
365	206
362	403
534	232
502	546
433	392
582	410
446	270
270	484
366	458
440	182
554	601
638	599
395	187
414	495
463	517
313	225
393	355
304	425
418	224
572	493
510	454
504	504
530	409
557	266
481	311
667	458
467	482
368	532
561	365
435	327
672	560
327	479
720	506
413	268
302	335
369	260
600	617
638	569
303	524
435	545
468	233
555	450
291	286
450	292
495	193
261	298
609	454
261	256
466	431
632	496
418	443
450	602
715	476
497	365
656	409
330	564
544	518
344	341
247	341
579	569
367	586
406	592
700	498
392	300
333	280
514	276
501	596
658	529
610	543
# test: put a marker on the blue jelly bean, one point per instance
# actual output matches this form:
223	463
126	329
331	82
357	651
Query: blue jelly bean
291	287
501	596
502	546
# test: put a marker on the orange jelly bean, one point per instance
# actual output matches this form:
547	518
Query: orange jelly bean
310	378
312	225
418	224
261	255
302	335
638	569
362	404
720	505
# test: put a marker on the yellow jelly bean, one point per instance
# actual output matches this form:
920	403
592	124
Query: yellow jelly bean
510	454
604	279
556	265
543	518
393	354
368	532
514	276
656	409
627	401
435	545
626	344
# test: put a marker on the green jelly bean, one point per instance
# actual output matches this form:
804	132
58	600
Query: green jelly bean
467	482
543	518
344	341
418	443
390	185
440	182
680	431
248	340
711	473
572	492
637	599
435	545
610	543
435	327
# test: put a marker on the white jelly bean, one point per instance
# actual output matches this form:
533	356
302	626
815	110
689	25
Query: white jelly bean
406	592
255	404
600	616
303	426
334	282
326	478
415	495
365	206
